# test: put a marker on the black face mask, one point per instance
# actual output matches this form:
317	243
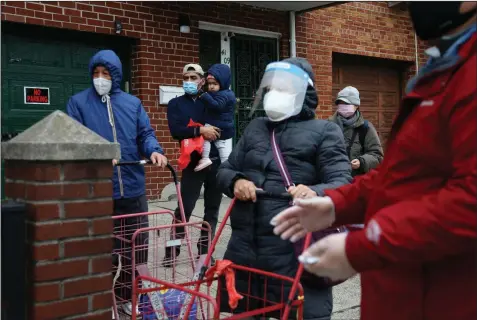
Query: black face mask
432	20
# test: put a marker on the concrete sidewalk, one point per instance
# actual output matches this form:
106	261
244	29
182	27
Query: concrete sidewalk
346	296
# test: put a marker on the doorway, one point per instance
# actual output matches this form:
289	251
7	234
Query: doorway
247	52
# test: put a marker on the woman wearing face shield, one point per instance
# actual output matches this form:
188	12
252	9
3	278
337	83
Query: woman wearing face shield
314	153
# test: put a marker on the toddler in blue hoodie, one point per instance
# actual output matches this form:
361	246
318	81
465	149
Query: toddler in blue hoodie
219	103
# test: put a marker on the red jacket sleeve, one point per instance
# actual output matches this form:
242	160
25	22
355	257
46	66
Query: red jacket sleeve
351	200
437	225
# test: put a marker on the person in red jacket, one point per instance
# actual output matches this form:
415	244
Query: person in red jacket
417	253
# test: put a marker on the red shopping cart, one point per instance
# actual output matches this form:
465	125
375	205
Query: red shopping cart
219	280
141	240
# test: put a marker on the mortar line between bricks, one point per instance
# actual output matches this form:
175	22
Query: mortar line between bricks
62	291
48	262
57	182
61	250
87	200
56	221
84	200
95	312
90	228
91	257
48	282
62	173
90	303
61	209
62	300
46	242
87	276
66	240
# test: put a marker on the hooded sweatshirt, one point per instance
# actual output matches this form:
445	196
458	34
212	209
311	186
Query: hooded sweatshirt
131	124
220	105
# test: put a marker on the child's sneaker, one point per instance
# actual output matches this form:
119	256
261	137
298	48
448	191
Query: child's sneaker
203	163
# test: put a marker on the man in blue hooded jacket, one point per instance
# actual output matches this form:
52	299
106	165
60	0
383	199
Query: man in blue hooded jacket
119	117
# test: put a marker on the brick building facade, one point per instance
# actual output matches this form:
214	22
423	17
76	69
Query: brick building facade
334	39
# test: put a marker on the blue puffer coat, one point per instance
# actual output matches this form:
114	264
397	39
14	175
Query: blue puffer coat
220	105
133	129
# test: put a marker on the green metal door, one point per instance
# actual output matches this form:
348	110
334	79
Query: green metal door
49	59
250	56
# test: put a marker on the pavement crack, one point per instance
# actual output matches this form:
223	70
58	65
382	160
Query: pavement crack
346	309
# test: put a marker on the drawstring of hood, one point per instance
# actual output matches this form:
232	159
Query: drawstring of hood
107	99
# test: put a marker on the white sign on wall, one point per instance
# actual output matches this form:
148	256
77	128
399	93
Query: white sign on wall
225	48
167	93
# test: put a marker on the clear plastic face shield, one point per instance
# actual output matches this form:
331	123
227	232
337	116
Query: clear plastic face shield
282	91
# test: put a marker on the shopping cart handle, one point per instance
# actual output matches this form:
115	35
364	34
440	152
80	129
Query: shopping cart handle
273	195
144	162
133	163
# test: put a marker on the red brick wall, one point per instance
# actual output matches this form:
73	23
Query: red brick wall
69	229
360	28
160	52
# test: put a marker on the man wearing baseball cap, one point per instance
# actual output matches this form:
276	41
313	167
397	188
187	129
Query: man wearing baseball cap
362	141
180	111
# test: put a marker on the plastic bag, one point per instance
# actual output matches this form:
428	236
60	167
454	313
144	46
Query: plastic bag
172	301
190	145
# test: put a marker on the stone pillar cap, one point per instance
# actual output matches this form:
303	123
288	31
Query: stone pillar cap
59	137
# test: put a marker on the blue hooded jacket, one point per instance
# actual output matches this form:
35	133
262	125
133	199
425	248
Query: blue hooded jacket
133	129
220	106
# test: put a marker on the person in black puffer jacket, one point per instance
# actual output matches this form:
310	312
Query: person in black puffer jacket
314	152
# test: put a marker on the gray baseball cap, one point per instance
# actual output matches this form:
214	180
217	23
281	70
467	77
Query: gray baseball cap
349	95
192	67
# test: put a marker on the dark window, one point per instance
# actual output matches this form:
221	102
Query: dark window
209	48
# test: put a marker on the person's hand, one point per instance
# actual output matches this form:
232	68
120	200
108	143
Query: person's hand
355	164
115	162
301	191
158	159
330	258
244	190
200	84
210	133
307	215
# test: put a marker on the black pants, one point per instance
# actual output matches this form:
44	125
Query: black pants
191	184
127	227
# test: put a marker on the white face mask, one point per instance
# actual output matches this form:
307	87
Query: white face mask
280	106
102	86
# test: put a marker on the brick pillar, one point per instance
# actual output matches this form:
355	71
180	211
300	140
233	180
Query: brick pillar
62	171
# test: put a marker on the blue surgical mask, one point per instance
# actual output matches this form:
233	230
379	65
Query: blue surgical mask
190	87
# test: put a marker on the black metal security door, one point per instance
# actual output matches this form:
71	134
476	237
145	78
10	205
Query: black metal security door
250	55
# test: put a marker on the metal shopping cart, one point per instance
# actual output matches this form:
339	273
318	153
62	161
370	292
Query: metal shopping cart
141	241
203	297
